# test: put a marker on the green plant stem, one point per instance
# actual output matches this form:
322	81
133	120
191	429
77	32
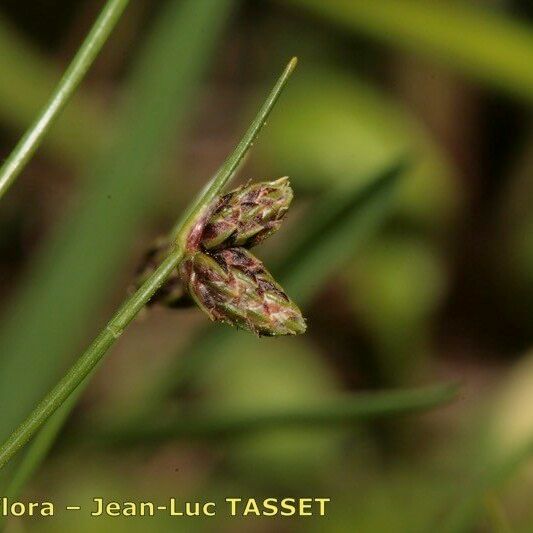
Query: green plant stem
32	79
343	410
121	188
40	445
89	359
81	63
127	312
230	166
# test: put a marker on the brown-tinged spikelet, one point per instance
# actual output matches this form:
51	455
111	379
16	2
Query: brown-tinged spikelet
226	280
247	215
233	286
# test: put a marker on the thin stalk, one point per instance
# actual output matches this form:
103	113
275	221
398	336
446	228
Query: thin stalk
127	312
89	359
230	166
66	87
40	445
337	411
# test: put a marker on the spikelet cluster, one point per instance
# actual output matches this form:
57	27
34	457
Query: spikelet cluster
222	276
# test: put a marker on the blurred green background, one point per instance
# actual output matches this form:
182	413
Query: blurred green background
425	282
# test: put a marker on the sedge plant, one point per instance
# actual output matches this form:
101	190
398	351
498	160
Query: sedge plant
339	218
180	249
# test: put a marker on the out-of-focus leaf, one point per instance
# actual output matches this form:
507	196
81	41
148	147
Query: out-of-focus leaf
395	288
512	250
334	228
335	130
505	452
477	42
265	381
329	412
39	447
71	277
384	502
30	82
277	404
463	516
511	426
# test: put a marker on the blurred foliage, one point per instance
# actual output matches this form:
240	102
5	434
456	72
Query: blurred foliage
475	41
513	248
337	225
355	131
333	129
249	374
396	287
32	78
